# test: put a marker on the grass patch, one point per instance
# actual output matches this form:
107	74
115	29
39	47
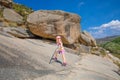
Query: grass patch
103	52
117	63
116	55
12	24
1	13
22	10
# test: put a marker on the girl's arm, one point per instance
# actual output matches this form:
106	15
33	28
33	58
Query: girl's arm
61	46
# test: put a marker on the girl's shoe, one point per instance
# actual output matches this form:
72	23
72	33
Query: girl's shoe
64	64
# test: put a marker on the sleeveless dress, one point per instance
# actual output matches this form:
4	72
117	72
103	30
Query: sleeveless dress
60	48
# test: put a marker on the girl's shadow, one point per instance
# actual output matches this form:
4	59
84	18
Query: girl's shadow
58	61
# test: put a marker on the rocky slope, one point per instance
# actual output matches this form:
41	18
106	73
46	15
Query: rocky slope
28	59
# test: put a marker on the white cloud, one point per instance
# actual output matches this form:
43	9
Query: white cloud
107	29
112	24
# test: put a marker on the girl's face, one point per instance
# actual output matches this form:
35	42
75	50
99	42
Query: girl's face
59	39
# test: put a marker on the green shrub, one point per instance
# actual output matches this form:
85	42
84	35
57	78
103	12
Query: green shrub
103	52
116	55
113	46
116	40
22	10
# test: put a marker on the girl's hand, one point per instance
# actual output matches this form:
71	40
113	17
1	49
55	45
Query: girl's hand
61	48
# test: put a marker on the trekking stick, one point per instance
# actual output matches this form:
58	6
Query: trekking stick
52	55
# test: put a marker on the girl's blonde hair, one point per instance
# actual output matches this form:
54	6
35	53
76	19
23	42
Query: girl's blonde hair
58	37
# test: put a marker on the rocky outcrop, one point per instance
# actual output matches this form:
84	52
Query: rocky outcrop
11	15
6	3
16	32
48	24
86	39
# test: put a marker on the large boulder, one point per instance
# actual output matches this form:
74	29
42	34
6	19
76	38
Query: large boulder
6	3
48	24
12	16
86	39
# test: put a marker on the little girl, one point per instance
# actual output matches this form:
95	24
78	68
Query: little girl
60	50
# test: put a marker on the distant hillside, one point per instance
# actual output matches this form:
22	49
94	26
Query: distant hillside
106	39
113	46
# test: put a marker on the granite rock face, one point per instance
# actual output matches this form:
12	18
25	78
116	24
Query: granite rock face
18	32
12	16
86	39
6	3
28	59
48	24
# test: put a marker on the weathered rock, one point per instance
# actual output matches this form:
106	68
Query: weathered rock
1	24
86	39
6	3
0	6
27	59
16	32
83	49
12	16
4	33
48	24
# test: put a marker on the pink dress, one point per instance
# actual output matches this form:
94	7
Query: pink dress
60	48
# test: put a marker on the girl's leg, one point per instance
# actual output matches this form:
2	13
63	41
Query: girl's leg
63	57
56	54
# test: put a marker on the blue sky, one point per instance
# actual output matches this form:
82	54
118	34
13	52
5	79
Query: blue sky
99	17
